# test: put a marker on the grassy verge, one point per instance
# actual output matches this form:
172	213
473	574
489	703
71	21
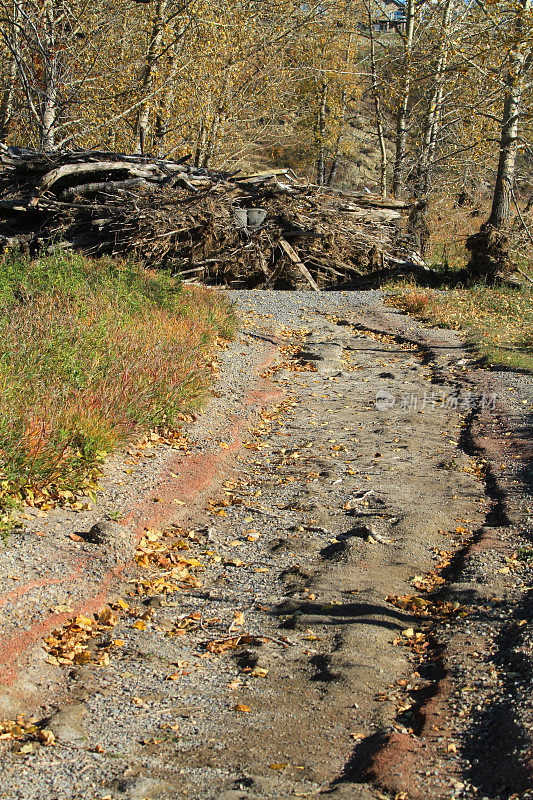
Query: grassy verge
498	322
92	353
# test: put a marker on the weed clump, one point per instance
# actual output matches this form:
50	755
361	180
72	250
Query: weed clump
92	352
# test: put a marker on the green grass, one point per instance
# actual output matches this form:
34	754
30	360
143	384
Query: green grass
497	321
92	353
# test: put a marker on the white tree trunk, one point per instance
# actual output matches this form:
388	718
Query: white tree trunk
6	104
152	56
520	60
398	178
167	97
51	78
321	133
489	247
433	114
377	109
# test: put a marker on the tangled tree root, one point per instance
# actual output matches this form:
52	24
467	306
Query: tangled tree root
490	259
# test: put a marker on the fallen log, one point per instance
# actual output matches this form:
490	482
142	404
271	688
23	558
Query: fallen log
293	255
101	186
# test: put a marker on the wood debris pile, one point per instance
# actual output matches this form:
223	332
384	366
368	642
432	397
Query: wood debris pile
233	229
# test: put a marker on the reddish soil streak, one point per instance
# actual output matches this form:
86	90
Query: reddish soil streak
14	648
397	765
23	588
199	474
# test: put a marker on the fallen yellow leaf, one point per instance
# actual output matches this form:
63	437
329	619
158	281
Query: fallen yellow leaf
259	672
84	622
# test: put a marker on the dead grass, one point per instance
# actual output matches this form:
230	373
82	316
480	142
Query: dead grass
92	353
498	322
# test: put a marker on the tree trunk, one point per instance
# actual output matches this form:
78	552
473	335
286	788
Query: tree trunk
338	141
51	78
398	178
489	248
6	105
501	202
143	118
377	109
49	120
201	141
342	112
321	133
432	121
167	97
419	227
212	141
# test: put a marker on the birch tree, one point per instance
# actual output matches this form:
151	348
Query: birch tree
11	66
53	50
510	26
402	114
159	72
432	117
377	92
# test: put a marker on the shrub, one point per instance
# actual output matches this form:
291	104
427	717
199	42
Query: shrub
90	353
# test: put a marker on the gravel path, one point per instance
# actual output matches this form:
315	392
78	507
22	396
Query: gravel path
345	614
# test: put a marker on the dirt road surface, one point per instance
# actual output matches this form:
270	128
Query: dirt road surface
325	592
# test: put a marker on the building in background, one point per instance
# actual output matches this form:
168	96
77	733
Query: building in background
388	15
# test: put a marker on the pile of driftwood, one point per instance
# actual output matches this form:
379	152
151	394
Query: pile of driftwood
235	229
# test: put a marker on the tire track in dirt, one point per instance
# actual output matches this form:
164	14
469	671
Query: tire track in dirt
301	665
